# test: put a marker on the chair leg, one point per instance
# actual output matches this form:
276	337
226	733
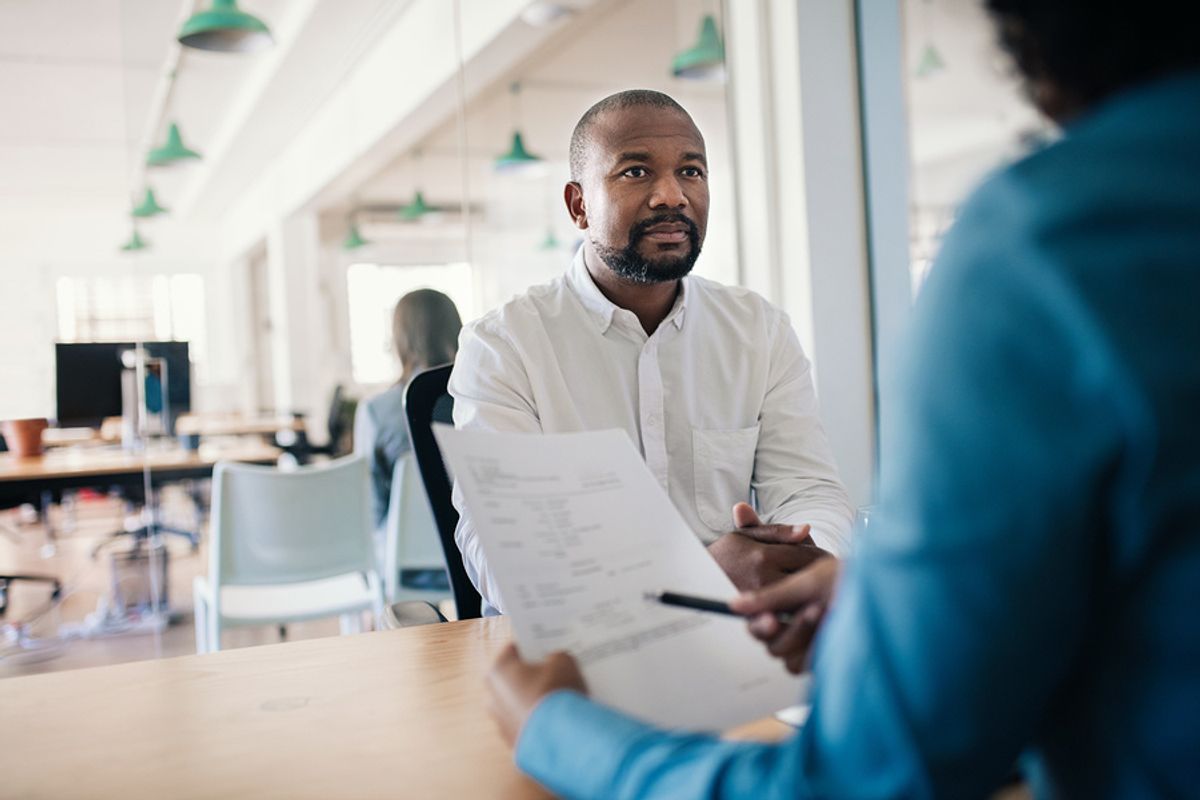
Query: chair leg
214	629
351	623
200	606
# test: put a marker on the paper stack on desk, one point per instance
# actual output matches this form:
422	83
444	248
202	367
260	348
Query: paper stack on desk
576	531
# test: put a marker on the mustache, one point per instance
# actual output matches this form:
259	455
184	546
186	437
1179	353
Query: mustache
642	228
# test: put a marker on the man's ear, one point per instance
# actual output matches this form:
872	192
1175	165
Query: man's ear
573	197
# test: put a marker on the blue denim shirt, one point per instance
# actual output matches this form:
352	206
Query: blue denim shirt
1032	582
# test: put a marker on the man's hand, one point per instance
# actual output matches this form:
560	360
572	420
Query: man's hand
515	687
805	596
756	555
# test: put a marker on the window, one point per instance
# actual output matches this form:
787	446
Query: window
131	308
373	290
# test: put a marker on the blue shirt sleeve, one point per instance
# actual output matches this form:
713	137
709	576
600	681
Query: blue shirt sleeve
964	608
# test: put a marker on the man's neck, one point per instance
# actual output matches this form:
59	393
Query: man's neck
650	302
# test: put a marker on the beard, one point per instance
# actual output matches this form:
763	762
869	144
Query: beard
631	265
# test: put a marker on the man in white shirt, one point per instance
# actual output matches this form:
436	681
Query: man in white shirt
709	381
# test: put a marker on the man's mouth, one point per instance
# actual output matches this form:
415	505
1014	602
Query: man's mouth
666	233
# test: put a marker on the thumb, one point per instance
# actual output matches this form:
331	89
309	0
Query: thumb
745	517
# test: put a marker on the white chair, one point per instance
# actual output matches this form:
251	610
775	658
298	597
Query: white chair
411	540
288	546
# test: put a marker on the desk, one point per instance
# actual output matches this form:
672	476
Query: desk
211	425
24	478
395	714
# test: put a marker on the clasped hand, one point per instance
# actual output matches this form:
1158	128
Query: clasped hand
757	555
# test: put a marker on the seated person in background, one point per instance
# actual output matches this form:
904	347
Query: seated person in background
709	381
1030	585
425	328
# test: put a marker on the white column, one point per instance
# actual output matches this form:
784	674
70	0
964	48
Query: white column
297	326
797	143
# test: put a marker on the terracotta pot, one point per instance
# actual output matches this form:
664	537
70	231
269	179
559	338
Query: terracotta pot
24	436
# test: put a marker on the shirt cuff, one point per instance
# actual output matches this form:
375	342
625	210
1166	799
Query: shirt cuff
574	746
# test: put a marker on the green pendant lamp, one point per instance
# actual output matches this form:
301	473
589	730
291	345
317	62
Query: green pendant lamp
704	60
931	62
149	206
172	151
135	243
518	159
354	239
225	28
416	209
551	241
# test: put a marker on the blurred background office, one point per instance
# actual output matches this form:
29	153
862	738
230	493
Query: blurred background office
204	232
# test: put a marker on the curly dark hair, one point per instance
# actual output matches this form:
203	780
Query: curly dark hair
1074	53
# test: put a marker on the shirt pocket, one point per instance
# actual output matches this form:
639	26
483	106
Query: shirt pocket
723	461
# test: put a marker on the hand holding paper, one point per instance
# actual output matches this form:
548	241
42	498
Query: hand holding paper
577	531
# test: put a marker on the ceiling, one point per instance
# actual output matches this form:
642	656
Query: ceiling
82	85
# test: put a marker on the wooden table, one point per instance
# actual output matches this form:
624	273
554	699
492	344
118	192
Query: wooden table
88	467
228	425
395	714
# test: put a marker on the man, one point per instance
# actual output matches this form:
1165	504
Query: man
1032	582
708	381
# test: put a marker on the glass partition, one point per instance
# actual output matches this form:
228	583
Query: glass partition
210	246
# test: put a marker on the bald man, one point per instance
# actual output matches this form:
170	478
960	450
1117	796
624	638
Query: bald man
709	381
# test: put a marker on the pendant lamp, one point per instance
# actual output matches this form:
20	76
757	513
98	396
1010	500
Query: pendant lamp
354	239
225	28
705	60
135	243
931	62
551	241
518	159
149	207
416	209
171	151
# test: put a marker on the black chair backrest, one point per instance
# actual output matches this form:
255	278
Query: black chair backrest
426	401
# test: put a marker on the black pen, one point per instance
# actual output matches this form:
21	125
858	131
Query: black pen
691	601
703	604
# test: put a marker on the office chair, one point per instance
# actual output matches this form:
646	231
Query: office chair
426	401
288	546
340	423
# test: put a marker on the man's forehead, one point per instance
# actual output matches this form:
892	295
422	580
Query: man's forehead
644	129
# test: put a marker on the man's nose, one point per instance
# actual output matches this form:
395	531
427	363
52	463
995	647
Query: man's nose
668	193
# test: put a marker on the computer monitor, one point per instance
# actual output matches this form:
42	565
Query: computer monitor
89	379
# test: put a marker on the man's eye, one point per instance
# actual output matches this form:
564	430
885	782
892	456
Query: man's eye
693	172
635	172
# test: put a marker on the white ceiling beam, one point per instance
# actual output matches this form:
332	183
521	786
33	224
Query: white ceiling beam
399	91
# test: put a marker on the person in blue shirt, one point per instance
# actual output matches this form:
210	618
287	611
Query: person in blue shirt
1031	586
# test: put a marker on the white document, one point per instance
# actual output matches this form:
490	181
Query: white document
577	531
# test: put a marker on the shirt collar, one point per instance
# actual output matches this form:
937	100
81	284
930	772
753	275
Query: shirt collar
601	309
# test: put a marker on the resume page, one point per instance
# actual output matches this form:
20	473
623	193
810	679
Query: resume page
577	532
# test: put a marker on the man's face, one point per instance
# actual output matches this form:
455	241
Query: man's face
643	196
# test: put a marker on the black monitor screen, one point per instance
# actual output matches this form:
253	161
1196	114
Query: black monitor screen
89	379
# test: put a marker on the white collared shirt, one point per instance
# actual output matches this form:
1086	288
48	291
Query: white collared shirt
719	399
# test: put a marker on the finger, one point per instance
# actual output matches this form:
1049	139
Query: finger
790	594
794	638
776	534
744	516
507	657
796	663
764	626
789	558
